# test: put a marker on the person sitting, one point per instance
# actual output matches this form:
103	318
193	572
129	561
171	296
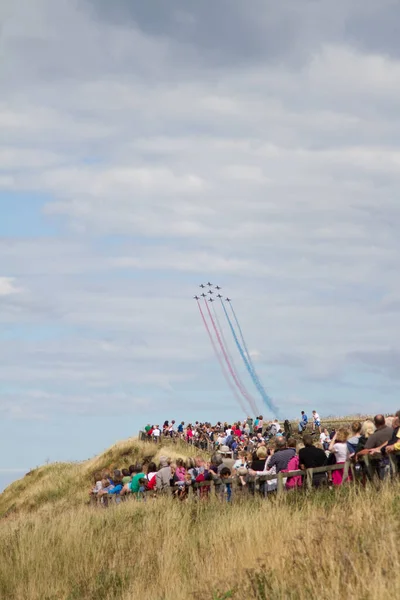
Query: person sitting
116	488
97	485
303	422
126	476
133	486
180	471
142	488
311	457
164	474
151	475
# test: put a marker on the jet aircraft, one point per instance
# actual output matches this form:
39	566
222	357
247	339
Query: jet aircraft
217	287
204	295
202	286
209	284
196	298
227	299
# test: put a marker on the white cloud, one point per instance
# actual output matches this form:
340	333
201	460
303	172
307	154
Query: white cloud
8	287
271	166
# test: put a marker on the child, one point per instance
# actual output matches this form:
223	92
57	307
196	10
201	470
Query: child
97	485
180	471
225	474
240	467
142	488
126	477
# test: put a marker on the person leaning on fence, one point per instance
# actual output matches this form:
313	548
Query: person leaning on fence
393	444
225	474
375	442
311	457
282	454
295	481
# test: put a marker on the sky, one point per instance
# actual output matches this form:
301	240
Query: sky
146	147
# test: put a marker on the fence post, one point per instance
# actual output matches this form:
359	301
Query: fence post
310	473
280	483
368	465
393	464
345	471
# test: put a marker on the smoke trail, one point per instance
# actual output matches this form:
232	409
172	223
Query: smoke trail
226	346
252	372
238	385
242	337
221	362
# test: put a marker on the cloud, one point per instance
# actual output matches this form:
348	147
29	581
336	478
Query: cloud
8	287
178	142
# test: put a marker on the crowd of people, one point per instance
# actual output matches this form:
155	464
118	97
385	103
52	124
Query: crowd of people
246	452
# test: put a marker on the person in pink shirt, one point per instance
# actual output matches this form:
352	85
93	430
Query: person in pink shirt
180	471
189	433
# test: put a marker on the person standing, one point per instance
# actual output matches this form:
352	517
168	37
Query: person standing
311	457
156	434
316	421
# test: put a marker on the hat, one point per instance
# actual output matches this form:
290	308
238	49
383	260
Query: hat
224	450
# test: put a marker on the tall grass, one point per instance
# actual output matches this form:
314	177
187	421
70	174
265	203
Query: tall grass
341	543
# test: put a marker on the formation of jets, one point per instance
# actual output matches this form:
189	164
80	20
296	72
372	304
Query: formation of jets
210	292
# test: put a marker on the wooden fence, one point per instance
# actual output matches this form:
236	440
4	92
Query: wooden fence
219	484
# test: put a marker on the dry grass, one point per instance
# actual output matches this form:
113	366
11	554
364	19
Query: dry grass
341	543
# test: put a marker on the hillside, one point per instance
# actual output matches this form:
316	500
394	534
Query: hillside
53	546
62	485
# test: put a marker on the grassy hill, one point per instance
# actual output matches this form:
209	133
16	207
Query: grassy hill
65	485
53	546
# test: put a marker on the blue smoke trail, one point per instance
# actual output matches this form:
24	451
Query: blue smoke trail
243	340
267	400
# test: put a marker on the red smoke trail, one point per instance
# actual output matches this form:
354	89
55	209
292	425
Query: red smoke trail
232	372
231	360
221	363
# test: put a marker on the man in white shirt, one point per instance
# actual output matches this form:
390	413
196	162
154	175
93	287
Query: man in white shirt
316	421
156	433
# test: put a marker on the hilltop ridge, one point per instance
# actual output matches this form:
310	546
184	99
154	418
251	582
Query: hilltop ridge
66	484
